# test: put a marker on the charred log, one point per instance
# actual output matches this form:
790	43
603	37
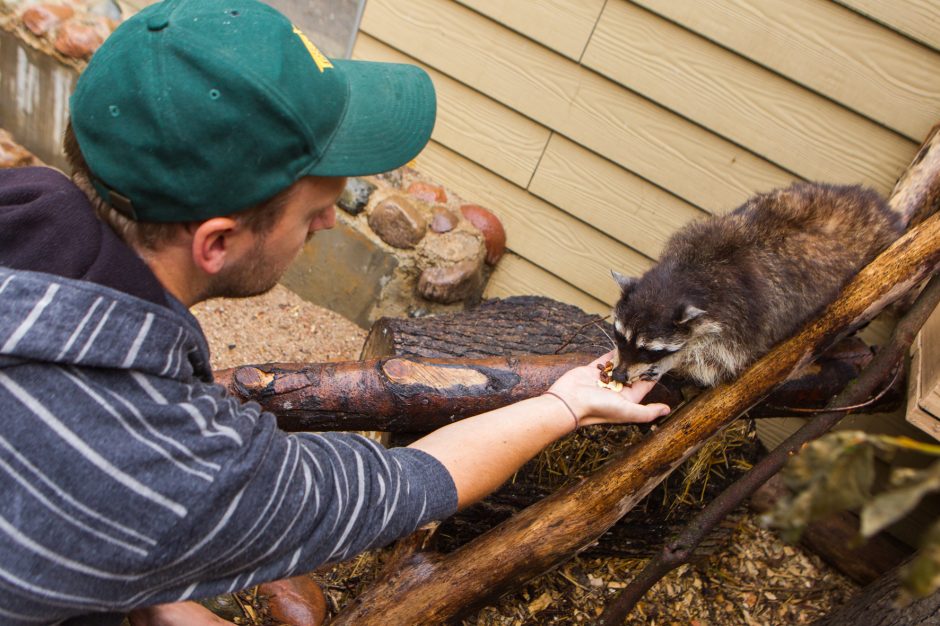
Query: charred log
411	394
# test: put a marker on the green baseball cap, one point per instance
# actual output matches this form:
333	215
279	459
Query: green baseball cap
197	108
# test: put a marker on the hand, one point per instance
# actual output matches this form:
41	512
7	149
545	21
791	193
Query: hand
597	405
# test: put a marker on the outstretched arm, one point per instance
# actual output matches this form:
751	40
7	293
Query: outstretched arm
482	452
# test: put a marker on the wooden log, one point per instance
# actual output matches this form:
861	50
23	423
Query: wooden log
877	604
419	394
395	394
518	325
547	533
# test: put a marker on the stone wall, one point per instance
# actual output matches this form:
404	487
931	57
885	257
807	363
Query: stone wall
402	246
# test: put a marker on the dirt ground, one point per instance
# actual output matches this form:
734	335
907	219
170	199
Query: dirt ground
755	580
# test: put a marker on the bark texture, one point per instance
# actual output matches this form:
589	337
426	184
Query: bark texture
876	605
413	392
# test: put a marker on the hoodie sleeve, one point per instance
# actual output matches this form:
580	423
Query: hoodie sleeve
321	498
290	502
156	492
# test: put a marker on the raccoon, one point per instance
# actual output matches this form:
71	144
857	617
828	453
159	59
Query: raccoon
727	288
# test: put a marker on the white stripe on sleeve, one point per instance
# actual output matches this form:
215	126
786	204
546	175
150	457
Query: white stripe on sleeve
138	342
23	328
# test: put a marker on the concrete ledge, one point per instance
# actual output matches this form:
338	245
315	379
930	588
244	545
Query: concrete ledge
344	271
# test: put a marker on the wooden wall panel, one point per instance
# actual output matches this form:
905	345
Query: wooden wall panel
788	124
585	107
515	276
599	192
828	48
548	237
919	19
675	107
471	124
562	25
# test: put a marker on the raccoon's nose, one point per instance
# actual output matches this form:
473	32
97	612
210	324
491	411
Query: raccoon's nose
619	373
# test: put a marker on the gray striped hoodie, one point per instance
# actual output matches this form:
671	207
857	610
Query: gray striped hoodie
127	478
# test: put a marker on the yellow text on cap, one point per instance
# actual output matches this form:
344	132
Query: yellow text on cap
318	58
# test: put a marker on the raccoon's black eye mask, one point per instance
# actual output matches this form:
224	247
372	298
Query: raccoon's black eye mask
644	355
654	355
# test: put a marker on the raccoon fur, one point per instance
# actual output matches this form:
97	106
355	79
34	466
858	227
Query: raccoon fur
727	288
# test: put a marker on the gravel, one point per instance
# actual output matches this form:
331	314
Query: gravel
277	327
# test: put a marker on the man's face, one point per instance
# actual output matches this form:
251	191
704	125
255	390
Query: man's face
310	207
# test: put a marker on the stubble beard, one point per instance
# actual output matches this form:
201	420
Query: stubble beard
257	274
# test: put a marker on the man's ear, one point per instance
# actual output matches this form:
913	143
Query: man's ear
212	244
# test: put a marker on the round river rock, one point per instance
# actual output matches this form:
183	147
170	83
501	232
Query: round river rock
398	222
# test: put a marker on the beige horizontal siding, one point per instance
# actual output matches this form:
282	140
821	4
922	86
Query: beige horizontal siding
589	109
471	124
562	25
593	189
597	128
828	48
515	276
919	19
786	123
560	244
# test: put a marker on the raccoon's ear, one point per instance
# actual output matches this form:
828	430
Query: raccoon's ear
686	313
626	283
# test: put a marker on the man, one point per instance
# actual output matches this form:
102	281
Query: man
212	139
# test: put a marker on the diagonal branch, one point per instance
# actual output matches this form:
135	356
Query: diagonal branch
679	549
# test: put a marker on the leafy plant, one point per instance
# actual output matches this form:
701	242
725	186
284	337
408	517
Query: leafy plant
837	472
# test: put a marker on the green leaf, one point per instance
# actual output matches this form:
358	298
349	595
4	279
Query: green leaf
830	474
922	575
893	504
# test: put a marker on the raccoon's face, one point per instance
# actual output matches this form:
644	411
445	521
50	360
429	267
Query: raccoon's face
650	334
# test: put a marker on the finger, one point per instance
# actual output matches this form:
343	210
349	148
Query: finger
641	413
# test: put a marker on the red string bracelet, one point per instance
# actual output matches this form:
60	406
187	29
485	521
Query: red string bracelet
568	406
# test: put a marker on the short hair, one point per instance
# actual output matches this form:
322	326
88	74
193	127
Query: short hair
259	218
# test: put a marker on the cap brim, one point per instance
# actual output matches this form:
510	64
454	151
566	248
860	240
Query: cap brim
388	119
